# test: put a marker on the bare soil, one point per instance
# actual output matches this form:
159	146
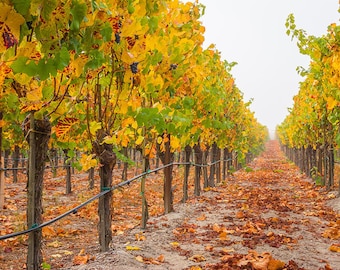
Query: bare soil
268	216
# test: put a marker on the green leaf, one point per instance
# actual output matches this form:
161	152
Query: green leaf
47	92
78	12
22	6
46	266
62	58
153	24
337	139
97	59
47	8
12	100
106	32
122	157
131	9
156	58
45	68
24	65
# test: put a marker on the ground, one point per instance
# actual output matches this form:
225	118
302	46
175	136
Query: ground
266	216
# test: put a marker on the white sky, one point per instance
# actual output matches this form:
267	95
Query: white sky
253	34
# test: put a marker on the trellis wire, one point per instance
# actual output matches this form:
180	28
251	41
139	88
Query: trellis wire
74	210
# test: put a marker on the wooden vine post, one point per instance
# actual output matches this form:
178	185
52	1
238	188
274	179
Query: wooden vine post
146	167
67	165
168	193
37	133
2	183
187	154
198	170
2	174
34	253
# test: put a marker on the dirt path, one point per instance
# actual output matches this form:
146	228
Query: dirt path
264	217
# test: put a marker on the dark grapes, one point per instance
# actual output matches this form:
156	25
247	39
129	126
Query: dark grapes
117	38
134	68
173	66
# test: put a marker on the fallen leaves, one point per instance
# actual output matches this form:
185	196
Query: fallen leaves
201	217
335	248
260	208
262	261
156	261
197	258
81	258
333	230
132	248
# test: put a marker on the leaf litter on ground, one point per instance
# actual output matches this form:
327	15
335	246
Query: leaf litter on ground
267	216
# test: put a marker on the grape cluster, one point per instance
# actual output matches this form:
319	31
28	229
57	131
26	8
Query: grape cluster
134	68
117	38
173	66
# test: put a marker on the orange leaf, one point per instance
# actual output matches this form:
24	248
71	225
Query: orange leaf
80	259
161	258
275	264
335	248
216	227
209	248
197	258
223	236
201	218
240	214
48	232
64	125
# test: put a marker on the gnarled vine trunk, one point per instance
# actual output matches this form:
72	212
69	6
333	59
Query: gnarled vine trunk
107	159
37	133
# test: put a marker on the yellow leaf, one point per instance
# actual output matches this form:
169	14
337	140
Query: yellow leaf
134	124
35	93
174	244
331	103
175	143
55	244
139	140
195	267
131	248
128	57
22	78
159	140
94	126
110	140
11	26
158	81
78	65
139	258
88	161
123	108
